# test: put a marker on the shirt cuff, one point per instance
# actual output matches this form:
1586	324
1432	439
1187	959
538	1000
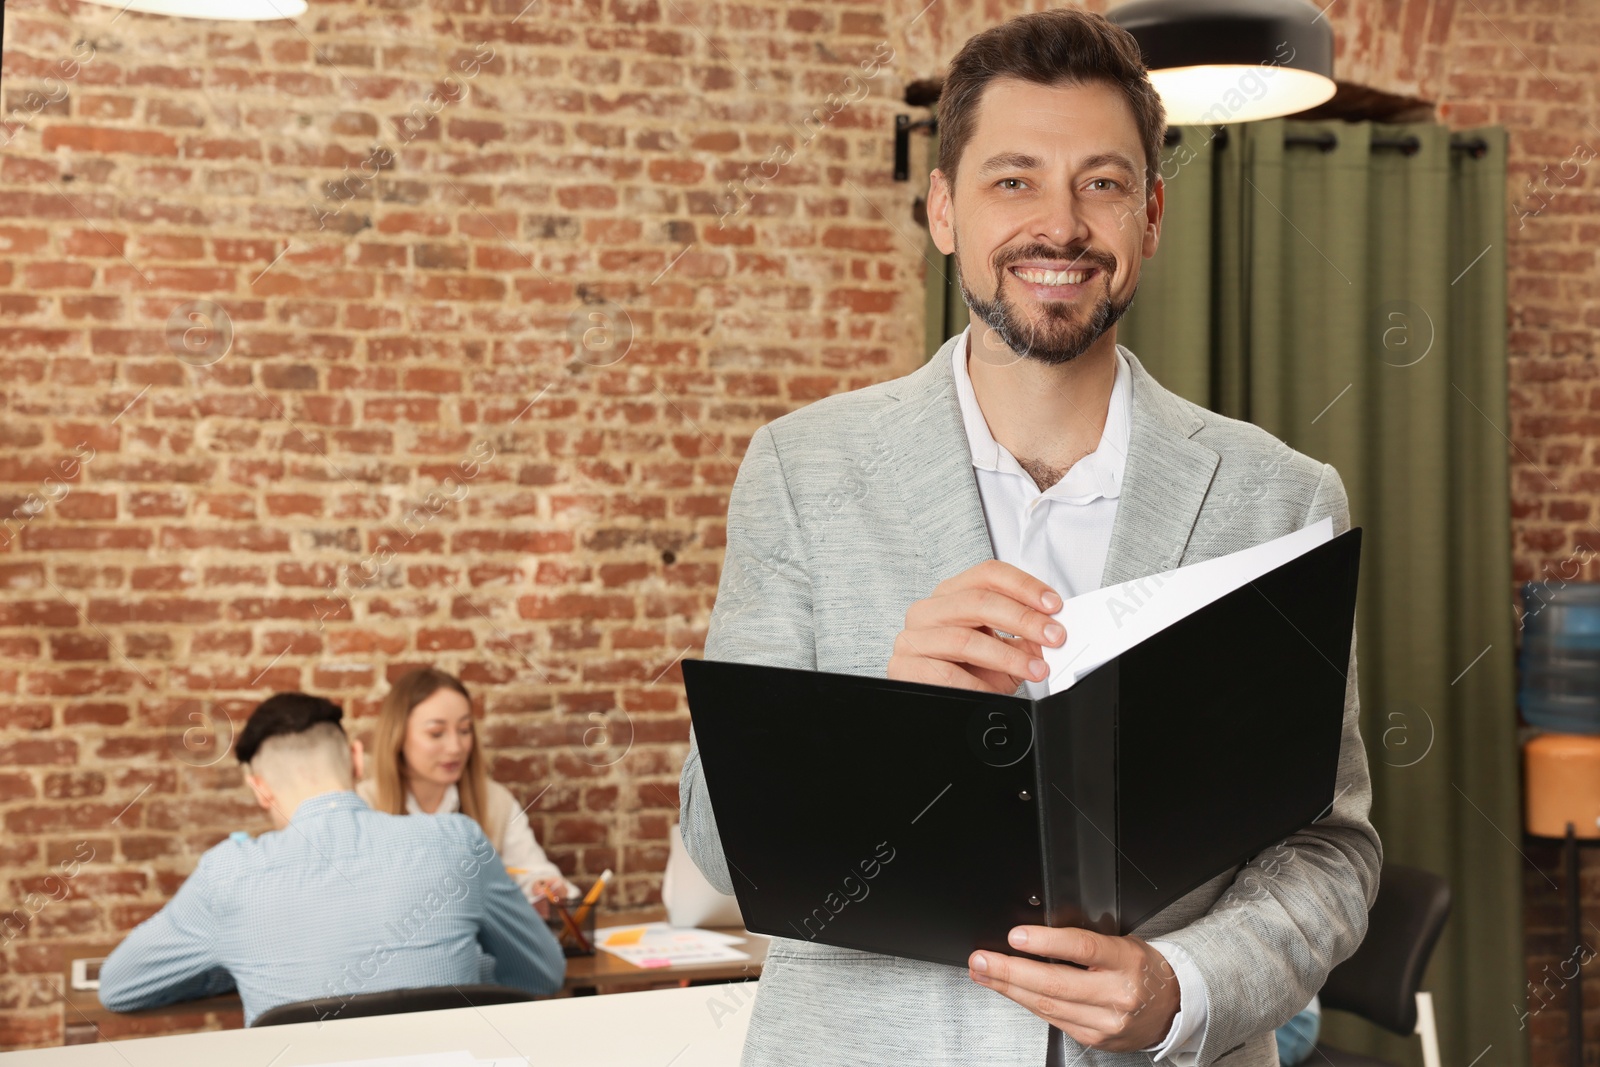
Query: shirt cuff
1182	1044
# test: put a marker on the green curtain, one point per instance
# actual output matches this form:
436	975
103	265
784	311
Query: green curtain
1351	300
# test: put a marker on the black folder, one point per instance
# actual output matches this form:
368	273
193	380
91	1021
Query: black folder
925	822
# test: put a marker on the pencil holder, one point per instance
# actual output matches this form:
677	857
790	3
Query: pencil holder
560	922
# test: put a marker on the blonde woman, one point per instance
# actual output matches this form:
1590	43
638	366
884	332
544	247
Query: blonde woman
425	759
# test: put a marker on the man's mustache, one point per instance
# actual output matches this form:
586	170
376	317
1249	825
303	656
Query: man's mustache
1090	256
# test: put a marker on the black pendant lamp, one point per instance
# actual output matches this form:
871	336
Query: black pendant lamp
1220	61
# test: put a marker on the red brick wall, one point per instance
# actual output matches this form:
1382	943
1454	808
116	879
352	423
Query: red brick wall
557	294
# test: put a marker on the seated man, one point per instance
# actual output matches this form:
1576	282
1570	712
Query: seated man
1297	1038
339	900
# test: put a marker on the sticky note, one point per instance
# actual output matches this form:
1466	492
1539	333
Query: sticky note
626	937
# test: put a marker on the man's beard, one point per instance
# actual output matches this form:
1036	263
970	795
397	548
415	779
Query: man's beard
1057	340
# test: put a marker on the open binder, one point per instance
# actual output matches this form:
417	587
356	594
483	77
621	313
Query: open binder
923	821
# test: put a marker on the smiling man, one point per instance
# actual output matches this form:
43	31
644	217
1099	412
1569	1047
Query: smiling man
925	529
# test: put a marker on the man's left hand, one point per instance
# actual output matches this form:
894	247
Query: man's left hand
1122	999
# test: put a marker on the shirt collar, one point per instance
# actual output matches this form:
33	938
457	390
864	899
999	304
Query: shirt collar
327	803
451	801
1098	474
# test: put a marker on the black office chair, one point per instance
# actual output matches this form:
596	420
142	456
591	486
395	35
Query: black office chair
1379	983
390	1002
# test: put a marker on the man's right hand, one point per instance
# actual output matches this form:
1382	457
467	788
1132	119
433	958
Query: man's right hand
951	637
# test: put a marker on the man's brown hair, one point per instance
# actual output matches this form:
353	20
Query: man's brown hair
1061	47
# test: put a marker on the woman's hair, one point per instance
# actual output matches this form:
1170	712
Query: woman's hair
388	747
1057	47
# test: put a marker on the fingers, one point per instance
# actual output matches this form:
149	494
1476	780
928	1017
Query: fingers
953	637
989	679
911	667
1071	943
976	607
1080	1002
1005	578
966	645
1124	997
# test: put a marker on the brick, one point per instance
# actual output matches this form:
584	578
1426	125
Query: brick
19	241
170	246
78	646
30	1029
94	713
73	681
61	275
38	613
154	609
39	752
71	785
174	113
108	140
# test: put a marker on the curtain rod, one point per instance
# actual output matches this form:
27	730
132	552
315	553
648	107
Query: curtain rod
1326	140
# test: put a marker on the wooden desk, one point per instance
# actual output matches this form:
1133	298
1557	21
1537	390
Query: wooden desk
605	973
86	1021
699	1027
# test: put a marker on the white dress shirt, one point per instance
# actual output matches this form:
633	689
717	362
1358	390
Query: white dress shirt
518	849
1061	536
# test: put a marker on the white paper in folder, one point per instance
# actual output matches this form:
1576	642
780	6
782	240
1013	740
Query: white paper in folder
1107	622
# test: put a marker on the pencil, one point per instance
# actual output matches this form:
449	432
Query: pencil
549	894
592	896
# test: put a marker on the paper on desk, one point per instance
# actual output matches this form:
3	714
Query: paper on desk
1105	623
661	945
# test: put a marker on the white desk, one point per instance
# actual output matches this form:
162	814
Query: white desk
697	1026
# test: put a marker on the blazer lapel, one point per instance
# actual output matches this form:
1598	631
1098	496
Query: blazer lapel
930	465
1164	481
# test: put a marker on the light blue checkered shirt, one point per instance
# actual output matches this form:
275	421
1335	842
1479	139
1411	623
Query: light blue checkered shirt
344	901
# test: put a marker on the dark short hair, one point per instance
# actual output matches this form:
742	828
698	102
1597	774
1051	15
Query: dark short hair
1061	47
284	713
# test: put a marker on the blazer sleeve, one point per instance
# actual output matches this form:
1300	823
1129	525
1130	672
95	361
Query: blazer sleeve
762	615
1298	909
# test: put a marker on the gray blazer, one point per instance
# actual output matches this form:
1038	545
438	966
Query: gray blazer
848	510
